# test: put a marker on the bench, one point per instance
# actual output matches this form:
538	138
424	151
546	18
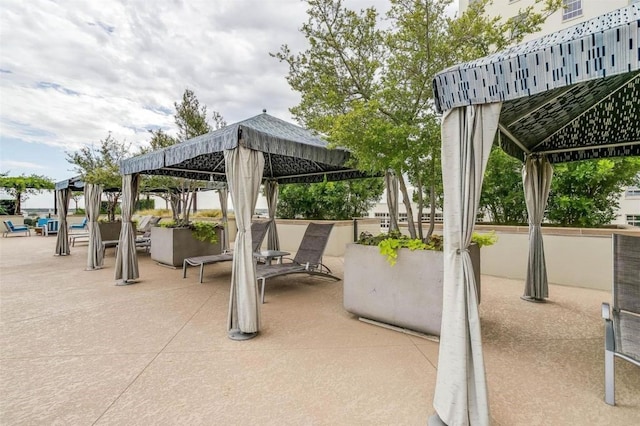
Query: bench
622	319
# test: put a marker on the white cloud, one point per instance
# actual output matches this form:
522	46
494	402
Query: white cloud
20	164
75	70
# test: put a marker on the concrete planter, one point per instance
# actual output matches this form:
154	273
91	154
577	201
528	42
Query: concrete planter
406	295
110	231
171	246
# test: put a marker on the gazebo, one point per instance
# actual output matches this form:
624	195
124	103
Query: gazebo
572	95
261	149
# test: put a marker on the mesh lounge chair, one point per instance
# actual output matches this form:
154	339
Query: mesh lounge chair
10	228
308	258
258	232
622	321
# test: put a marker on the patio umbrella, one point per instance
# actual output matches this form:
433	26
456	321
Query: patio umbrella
537	173
271	191
391	182
461	388
126	257
243	168
95	255
63	196
223	194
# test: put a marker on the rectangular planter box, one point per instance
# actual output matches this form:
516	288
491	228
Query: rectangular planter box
171	246
110	231
406	295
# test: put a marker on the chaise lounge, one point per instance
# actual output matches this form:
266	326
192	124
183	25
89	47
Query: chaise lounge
258	232
10	228
308	258
622	320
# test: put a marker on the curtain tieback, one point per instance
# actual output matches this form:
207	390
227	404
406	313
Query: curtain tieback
459	251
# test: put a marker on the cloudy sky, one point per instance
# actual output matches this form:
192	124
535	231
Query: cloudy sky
73	71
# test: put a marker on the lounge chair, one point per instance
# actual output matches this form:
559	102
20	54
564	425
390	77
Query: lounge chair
10	228
51	227
308	258
258	232
622	320
81	225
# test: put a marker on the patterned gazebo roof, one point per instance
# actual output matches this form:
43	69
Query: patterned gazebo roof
572	95
292	154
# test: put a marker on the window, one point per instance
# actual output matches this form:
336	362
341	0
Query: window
633	219
632	191
384	219
437	217
572	9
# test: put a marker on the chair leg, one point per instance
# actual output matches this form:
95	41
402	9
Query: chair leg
609	378
184	269
201	271
262	291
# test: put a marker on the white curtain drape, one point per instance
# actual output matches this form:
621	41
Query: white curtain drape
537	173
271	191
223	195
244	168
126	256
461	389
391	183
92	197
63	196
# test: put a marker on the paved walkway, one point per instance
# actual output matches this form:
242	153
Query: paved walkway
77	350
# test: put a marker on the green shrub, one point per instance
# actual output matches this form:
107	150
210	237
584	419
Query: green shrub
389	243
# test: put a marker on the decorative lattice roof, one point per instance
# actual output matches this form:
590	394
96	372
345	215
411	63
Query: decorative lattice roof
573	94
292	154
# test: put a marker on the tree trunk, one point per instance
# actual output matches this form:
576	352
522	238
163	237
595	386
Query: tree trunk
407	204
432	211
18	209
420	209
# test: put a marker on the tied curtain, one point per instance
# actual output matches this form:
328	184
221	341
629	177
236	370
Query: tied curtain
63	196
244	168
223	195
537	173
271	192
126	256
461	389
95	254
391	183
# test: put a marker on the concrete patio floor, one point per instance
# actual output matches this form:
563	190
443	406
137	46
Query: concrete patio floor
78	350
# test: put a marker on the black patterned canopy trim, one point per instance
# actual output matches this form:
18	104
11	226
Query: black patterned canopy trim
601	47
283	169
75	184
290	150
597	118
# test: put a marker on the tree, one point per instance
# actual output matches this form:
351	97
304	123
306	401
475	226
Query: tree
586	193
502	196
20	187
191	120
329	200
76	196
101	166
369	89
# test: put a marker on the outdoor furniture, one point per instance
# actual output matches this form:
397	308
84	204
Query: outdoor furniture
267	256
81	225
622	320
51	227
10	228
41	225
79	236
258	232
308	258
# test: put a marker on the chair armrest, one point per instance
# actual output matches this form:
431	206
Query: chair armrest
606	311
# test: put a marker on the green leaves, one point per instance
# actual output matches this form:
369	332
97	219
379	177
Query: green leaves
20	187
329	200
